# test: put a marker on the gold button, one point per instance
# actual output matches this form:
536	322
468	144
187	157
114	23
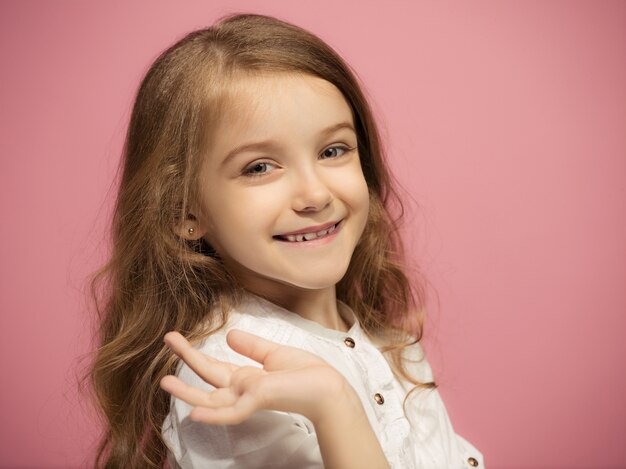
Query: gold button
380	400
349	341
472	462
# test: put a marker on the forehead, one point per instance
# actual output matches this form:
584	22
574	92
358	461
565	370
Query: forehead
279	106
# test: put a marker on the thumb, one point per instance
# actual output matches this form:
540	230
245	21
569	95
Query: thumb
250	345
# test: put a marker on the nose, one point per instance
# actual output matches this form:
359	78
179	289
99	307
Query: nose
311	192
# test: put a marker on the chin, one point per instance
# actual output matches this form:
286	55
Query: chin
317	282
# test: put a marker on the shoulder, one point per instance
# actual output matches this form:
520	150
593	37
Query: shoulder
263	322
412	355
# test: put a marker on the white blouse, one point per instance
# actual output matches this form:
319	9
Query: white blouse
272	439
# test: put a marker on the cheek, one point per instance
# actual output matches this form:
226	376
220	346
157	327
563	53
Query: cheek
241	213
365	195
236	236
360	202
354	188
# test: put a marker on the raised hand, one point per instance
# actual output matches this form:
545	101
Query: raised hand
291	380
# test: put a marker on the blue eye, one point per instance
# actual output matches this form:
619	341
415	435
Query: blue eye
344	149
257	169
260	168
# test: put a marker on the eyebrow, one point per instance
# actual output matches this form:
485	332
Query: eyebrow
266	144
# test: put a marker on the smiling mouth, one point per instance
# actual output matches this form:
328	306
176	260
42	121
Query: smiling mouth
304	237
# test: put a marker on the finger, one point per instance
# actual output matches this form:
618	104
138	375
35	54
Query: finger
250	345
244	408
195	396
212	371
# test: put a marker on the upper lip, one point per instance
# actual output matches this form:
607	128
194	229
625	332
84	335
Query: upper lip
311	229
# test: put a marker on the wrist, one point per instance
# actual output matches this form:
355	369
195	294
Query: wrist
344	433
340	400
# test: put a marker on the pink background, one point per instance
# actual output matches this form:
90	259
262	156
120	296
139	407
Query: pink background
505	121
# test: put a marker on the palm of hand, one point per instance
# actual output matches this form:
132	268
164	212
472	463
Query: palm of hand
291	380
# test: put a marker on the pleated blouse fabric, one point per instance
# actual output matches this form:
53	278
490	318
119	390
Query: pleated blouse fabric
424	438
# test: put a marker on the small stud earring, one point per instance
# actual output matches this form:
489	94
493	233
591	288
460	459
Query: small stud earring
190	231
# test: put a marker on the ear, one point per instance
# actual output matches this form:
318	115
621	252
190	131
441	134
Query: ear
190	228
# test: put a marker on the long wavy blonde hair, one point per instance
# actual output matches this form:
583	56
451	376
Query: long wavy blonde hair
155	281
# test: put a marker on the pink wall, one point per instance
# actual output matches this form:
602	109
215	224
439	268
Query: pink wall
506	121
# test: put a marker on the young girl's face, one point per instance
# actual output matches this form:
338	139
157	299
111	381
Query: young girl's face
302	174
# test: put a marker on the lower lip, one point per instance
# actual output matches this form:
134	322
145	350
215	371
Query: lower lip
317	241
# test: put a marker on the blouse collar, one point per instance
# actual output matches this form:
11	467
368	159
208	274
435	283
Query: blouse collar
274	310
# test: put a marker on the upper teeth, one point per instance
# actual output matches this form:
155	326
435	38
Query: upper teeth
309	236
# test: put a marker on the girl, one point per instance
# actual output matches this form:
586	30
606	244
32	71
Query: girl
254	217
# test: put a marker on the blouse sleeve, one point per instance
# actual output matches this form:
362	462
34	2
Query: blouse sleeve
433	424
268	439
